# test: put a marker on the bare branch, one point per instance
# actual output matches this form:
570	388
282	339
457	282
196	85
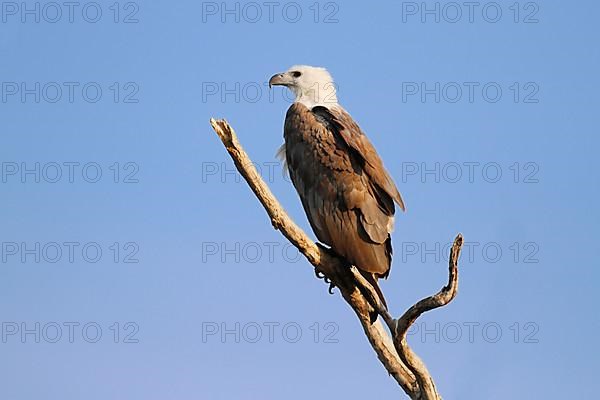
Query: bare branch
443	297
395	355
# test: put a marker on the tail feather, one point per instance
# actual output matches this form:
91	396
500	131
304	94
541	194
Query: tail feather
372	279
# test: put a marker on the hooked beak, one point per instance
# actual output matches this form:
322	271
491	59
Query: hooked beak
281	79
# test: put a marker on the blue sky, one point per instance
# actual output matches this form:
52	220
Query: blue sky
137	265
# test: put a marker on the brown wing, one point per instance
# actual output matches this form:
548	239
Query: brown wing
342	122
347	209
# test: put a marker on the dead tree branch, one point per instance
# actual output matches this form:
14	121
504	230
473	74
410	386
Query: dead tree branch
393	352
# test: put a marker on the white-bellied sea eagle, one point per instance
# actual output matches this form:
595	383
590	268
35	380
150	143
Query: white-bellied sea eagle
346	192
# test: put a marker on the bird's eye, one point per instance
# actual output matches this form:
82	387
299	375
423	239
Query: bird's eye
296	74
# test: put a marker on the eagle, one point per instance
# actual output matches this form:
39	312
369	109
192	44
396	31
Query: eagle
346	192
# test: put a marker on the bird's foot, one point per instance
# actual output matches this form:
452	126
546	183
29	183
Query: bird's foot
319	273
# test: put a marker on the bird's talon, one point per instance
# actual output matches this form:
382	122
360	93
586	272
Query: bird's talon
331	287
319	274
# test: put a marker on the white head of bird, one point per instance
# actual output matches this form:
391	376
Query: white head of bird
312	86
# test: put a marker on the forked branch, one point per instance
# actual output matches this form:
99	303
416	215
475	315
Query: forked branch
393	351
